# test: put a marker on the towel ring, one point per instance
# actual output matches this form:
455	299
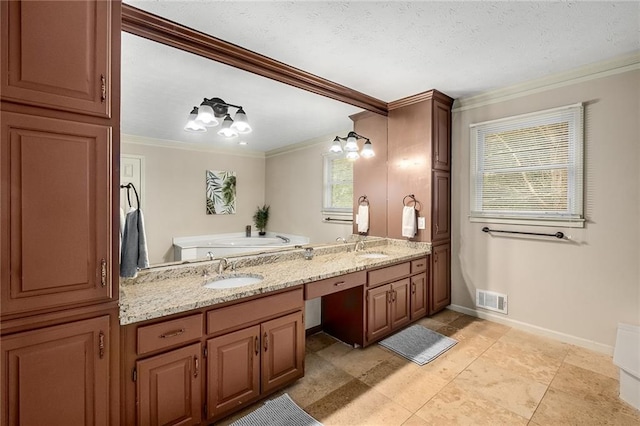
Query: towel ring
412	199
130	186
363	200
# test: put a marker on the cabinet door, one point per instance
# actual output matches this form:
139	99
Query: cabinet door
169	388
56	54
440	294
283	350
378	312
57	375
441	136
418	296
441	207
233	370
55	217
400	297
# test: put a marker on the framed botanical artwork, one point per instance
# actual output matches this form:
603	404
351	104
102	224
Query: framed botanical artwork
221	192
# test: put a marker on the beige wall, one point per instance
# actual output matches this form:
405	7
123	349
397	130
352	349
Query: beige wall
294	191
577	290
175	194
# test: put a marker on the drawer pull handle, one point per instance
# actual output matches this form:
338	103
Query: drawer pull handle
197	364
103	88
103	273
389	297
419	265
257	345
266	341
101	344
339	283
172	333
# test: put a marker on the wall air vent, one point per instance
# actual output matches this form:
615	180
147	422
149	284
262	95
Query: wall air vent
491	300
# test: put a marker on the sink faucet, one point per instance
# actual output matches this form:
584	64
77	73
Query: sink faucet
343	239
222	264
359	245
210	255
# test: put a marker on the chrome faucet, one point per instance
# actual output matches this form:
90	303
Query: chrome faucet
222	264
359	245
285	239
343	239
210	255
247	231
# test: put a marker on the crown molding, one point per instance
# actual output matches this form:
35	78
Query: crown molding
594	71
419	97
326	139
188	146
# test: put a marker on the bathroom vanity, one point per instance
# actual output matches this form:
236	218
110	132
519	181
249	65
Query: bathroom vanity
194	354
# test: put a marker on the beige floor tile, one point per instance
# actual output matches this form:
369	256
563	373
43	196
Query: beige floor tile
594	361
455	406
430	323
560	408
318	342
335	351
320	379
592	387
479	326
359	361
448	365
406	383
415	421
538	344
512	391
523	361
357	404
446	316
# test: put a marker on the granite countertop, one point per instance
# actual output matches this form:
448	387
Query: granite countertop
158	292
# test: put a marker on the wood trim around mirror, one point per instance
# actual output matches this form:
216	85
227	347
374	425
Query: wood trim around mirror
161	30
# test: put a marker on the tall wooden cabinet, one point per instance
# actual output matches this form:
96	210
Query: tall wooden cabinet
59	81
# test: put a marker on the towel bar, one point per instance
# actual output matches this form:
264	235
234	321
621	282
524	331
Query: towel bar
559	235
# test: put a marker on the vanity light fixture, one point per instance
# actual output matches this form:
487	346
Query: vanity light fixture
209	114
350	148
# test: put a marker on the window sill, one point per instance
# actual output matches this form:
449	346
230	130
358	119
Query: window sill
573	223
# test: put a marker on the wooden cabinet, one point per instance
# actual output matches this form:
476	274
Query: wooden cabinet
400	310
57	55
57	222
419	289
202	365
58	375
169	388
440	289
378	312
441	206
441	134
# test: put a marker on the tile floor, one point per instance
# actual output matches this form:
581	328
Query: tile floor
495	375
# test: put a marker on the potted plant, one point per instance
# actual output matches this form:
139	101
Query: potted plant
260	218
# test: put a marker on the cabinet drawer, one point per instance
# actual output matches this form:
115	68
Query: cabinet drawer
335	284
247	313
169	333
390	273
419	265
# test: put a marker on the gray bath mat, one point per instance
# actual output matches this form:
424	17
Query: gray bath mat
418	344
280	411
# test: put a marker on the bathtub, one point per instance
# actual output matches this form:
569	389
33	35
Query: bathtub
199	247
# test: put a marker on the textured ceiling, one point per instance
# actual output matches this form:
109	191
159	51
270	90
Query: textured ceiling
390	50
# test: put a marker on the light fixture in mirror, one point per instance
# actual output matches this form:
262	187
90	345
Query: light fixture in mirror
351	146
210	111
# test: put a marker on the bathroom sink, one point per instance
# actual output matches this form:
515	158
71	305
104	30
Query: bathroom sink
373	255
233	281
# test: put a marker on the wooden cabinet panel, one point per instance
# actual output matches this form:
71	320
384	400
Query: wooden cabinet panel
440	291
419	289
57	63
57	375
390	273
233	371
400	297
419	265
335	284
56	191
441	211
441	138
378	312
169	333
283	350
169	388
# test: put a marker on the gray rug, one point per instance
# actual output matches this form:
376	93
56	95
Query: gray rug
280	411
418	344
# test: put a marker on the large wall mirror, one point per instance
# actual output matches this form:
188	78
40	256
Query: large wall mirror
160	86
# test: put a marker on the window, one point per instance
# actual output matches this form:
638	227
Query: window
338	186
528	168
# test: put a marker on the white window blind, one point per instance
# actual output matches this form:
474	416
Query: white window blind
529	166
338	185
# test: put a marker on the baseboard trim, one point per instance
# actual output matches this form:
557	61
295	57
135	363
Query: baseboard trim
534	329
313	330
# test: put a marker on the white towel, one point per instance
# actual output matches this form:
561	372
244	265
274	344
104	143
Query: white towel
409	219
134	254
122	222
363	219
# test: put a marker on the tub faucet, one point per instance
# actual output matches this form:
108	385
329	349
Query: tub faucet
222	264
285	239
247	231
